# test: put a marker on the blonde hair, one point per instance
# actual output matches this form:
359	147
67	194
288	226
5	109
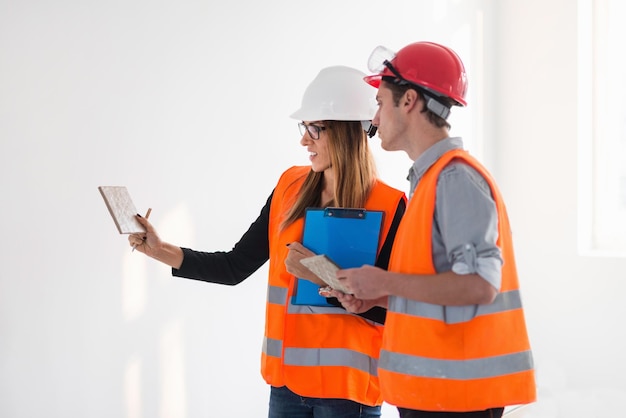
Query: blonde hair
353	166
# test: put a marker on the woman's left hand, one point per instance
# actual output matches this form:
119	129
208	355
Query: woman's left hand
297	252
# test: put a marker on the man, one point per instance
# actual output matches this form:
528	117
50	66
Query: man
455	341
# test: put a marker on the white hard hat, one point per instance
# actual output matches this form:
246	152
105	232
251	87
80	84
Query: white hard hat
338	93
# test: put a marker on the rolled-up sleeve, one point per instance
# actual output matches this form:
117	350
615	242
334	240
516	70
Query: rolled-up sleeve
467	221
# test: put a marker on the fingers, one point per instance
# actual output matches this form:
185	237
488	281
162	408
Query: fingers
343	297
299	248
344	282
326	292
143	221
141	240
136	240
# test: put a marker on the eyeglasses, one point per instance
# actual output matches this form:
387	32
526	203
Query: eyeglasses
313	130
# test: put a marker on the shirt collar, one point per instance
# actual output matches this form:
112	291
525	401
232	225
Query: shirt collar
429	157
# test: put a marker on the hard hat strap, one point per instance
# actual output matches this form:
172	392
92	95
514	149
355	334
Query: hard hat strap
437	107
369	128
431	98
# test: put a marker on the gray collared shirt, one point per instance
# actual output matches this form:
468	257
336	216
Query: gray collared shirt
465	227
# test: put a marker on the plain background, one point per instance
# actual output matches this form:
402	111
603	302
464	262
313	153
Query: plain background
187	103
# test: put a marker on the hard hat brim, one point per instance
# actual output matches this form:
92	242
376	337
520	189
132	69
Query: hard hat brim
373	80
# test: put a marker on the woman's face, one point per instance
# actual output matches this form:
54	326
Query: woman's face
319	154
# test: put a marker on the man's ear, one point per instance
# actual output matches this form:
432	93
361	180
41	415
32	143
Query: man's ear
410	99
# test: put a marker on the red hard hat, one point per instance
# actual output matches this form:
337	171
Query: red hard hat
426	64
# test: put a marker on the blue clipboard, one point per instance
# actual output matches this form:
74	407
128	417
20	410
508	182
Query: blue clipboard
348	236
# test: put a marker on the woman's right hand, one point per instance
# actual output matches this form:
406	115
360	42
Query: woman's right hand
147	242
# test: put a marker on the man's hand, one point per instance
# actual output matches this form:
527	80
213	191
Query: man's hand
365	282
353	304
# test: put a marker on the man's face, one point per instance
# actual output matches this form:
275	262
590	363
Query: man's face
390	120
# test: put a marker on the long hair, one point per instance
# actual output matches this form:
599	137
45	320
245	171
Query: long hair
354	171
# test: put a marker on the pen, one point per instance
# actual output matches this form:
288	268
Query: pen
147	215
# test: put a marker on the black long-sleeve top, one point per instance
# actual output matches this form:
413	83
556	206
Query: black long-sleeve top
252	251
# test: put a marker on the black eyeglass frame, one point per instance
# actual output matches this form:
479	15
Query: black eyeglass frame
313	130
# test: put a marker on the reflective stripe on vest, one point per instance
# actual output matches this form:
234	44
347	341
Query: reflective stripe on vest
272	347
318	351
320	356
331	357
456	369
504	301
277	295
436	363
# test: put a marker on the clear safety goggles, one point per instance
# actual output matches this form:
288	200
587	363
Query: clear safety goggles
381	58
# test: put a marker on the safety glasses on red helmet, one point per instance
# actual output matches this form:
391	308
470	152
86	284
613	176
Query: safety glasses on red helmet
434	69
380	59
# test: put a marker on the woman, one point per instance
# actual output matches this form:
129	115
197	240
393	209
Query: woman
320	361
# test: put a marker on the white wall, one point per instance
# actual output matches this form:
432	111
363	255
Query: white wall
187	104
574	303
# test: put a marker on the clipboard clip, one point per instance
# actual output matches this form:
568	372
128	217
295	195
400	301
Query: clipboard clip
353	213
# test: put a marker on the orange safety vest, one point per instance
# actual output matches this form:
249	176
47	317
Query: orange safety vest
318	351
429	364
